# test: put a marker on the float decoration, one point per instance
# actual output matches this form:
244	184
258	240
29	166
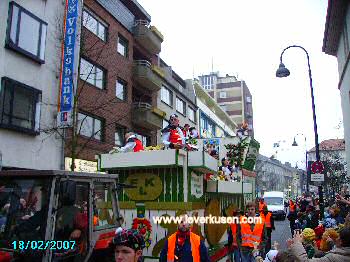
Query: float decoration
144	227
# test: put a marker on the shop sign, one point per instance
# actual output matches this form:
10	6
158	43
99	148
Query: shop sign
147	186
196	185
81	165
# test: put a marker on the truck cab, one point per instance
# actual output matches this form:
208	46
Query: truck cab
57	215
275	203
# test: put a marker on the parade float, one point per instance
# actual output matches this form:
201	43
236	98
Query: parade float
173	182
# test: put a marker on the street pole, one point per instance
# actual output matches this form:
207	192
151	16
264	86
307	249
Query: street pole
320	189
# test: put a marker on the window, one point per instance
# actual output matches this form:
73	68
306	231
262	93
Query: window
166	96
26	33
120	89
123	46
19	106
89	126
180	106
119	135
223	107
222	94
92	74
191	114
165	123
94	25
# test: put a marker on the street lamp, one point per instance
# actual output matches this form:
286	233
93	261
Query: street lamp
296	144
282	71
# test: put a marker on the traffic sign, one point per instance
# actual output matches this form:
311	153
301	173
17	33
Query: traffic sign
317	177
317	167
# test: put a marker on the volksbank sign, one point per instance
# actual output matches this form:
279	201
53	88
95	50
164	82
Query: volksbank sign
69	60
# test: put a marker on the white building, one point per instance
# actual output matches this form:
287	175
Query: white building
336	43
30	54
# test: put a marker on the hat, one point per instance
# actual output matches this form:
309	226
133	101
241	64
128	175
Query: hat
130	238
270	256
173	116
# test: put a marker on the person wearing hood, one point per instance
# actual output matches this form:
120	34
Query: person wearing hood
340	254
133	144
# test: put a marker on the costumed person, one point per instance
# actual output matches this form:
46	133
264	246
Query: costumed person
173	137
226	168
251	233
133	144
243	131
185	131
127	246
270	225
184	246
193	132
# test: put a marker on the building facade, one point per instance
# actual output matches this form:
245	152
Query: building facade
272	175
232	95
30	55
336	43
118	80
213	120
176	97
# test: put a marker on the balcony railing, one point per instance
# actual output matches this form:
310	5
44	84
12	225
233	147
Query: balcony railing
144	115
230	99
148	36
145	77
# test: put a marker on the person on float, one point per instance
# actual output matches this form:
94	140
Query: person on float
269	224
173	136
226	168
184	246
186	131
133	144
193	132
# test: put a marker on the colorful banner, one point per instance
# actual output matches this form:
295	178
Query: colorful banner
68	62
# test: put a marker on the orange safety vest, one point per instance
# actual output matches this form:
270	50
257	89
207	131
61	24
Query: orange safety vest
175	137
291	206
234	234
249	237
195	245
96	220
267	219
261	206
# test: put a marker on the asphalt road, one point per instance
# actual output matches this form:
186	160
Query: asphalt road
281	234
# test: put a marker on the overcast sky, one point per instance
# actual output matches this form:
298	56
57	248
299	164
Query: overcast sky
245	38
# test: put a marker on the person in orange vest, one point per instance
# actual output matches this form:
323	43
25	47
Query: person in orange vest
173	136
251	233
292	216
127	246
133	144
270	225
261	205
184	246
234	238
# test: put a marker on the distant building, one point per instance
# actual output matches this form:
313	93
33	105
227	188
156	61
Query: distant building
232	95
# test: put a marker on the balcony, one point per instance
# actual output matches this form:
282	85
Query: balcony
145	77
144	115
148	36
202	161
224	187
230	99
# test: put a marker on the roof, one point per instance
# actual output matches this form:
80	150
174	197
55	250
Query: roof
331	145
335	18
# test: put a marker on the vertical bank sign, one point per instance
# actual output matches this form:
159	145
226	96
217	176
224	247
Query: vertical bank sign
69	60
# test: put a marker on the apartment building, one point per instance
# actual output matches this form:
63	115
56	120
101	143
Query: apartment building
213	120
30	55
176	96
117	85
336	43
232	95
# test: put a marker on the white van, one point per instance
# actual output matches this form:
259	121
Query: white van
275	203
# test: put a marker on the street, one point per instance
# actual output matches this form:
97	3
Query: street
281	234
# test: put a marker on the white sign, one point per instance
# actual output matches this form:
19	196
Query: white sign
317	177
81	165
196	185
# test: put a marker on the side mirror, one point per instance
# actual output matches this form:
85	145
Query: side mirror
68	189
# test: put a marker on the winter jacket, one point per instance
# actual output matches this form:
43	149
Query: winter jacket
335	255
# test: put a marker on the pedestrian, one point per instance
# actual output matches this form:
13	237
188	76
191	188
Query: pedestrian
292	216
270	225
234	239
127	246
252	233
340	254
184	246
284	256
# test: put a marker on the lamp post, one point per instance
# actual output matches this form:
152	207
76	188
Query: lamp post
296	144
282	71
